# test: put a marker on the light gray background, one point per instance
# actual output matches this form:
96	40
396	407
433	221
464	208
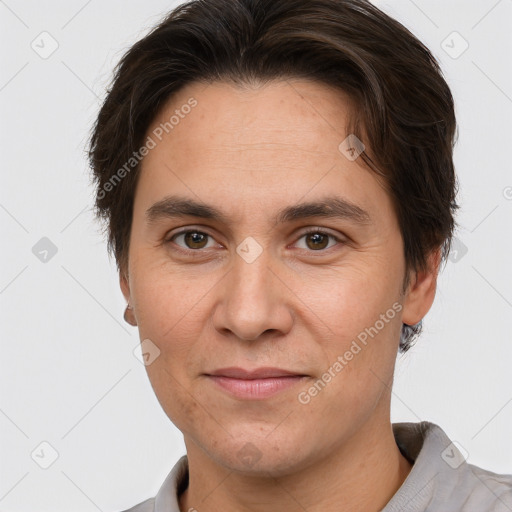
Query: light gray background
68	373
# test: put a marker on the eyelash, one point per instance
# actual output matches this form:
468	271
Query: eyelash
198	251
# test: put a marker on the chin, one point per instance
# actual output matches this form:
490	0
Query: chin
258	456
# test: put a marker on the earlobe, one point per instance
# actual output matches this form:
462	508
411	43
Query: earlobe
421	291
129	316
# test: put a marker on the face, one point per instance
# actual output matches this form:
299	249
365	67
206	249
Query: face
254	279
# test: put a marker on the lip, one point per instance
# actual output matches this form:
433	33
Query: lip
255	384
258	373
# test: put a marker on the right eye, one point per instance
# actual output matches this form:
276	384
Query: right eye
192	239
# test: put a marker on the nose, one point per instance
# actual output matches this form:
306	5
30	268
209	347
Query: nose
255	300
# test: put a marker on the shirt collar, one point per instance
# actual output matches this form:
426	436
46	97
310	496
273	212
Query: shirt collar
416	441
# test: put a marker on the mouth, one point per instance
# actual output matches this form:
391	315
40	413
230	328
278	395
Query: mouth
255	384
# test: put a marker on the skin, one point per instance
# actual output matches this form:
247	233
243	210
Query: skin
251	151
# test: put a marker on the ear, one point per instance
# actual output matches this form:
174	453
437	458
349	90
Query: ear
421	290
125	285
124	282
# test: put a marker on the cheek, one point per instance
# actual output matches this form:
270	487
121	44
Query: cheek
172	392
358	374
169	313
360	317
165	300
345	301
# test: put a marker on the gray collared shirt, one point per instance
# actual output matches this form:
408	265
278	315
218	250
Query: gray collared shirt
440	479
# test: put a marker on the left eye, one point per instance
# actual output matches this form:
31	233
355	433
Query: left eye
318	240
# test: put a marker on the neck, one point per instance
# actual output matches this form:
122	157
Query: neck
363	474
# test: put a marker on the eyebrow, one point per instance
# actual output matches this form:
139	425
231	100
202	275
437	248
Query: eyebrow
331	207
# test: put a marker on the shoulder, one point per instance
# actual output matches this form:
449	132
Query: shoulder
441	479
485	490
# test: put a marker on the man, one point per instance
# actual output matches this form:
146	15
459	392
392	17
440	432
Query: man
278	184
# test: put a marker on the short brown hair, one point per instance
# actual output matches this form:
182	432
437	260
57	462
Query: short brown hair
404	116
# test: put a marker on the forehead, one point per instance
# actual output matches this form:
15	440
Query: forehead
276	143
287	120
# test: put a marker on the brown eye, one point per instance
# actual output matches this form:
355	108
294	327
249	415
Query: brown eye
195	240
192	239
317	241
